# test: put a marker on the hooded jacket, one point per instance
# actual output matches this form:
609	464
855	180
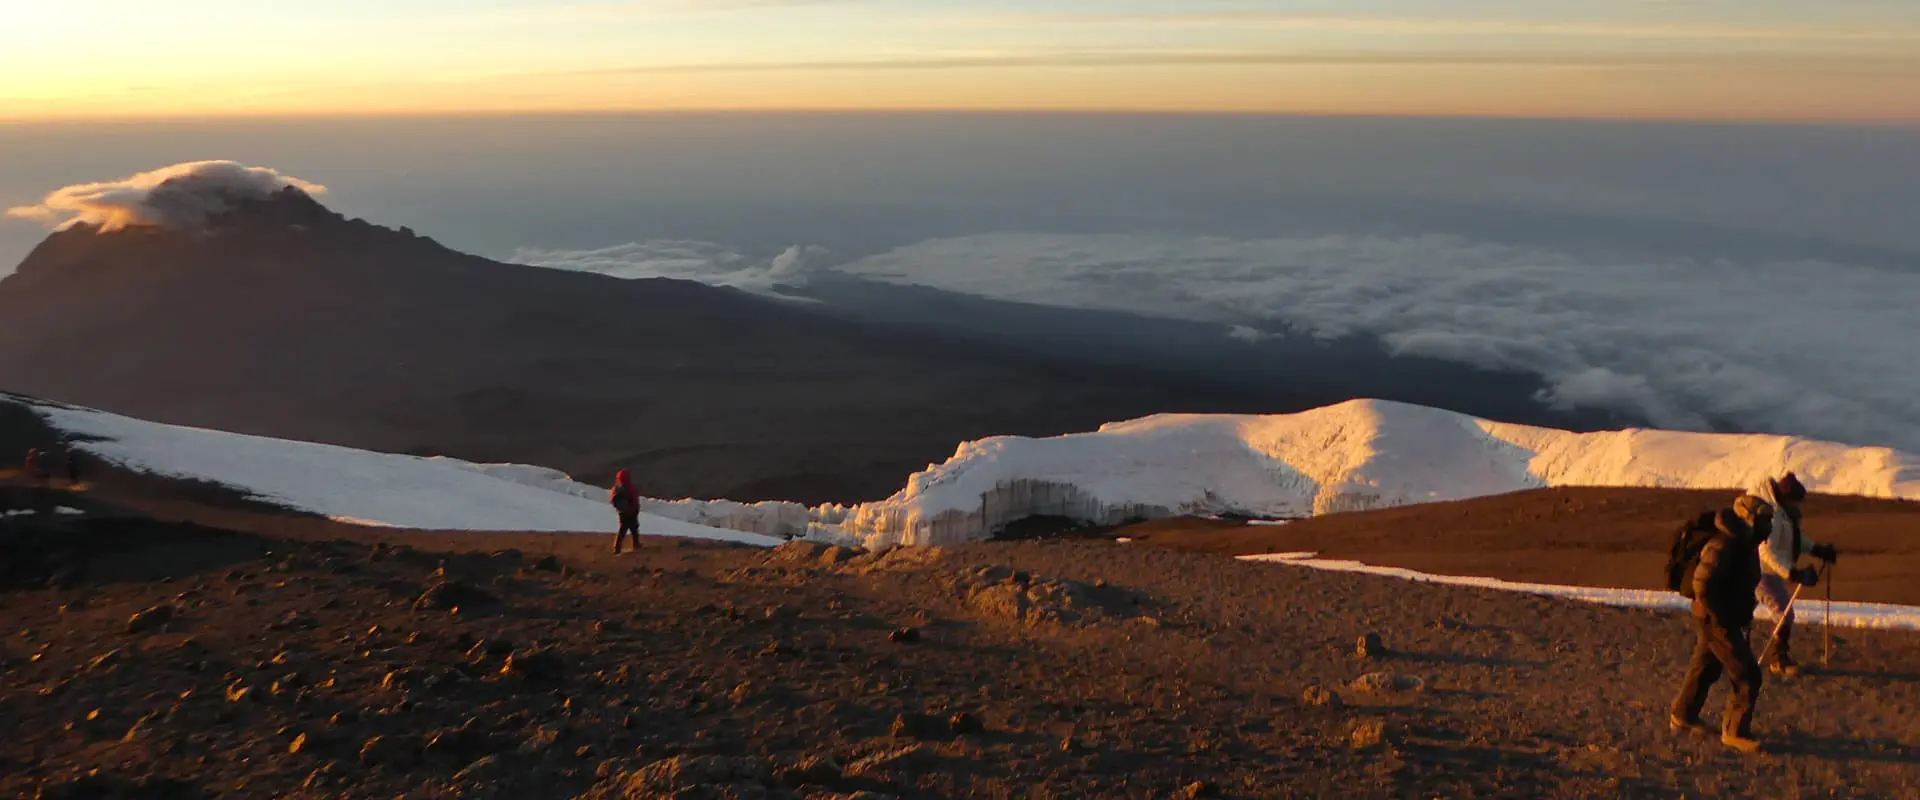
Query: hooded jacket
624	498
1787	542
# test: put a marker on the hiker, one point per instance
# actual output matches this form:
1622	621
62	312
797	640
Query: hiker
1780	552
1722	587
36	466
626	502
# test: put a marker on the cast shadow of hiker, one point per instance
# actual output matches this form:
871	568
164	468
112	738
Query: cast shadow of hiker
1877	676
1842	748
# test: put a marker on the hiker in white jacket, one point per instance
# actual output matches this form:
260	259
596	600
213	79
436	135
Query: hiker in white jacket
1780	552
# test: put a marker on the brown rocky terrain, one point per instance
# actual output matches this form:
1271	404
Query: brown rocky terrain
1582	536
231	652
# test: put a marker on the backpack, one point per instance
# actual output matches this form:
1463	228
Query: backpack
1684	555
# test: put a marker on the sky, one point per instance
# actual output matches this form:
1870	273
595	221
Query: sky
1802	60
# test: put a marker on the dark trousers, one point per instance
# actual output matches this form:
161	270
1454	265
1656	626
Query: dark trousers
629	524
1721	649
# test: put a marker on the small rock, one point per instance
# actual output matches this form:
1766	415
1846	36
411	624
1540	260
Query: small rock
893	765
1321	697
533	666
103	661
1367	734
138	727
299	744
818	770
398	752
542	740
1370	647
965	724
461	744
238	691
448	595
1387	683
401	679
1199	789
904	636
692	776
918	726
152	619
547	564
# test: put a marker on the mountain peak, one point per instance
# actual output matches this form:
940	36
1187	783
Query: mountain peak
186	196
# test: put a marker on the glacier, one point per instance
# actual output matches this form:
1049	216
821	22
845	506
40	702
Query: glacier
1357	455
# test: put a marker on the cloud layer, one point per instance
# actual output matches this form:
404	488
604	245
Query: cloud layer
1811	348
179	196
705	262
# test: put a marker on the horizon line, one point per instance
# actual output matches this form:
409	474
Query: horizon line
831	111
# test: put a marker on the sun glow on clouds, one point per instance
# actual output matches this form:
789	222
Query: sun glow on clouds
1553	58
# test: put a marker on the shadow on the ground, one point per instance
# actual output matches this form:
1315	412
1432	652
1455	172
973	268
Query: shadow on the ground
1881	676
1845	748
1456	658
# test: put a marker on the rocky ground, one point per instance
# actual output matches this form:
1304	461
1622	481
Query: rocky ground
297	658
1586	536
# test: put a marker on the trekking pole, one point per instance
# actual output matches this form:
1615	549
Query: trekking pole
1826	625
1780	623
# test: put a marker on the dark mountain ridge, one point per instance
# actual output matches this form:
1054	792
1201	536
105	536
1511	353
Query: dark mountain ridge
275	316
279	317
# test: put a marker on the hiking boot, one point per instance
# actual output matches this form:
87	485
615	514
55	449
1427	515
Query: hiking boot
1784	666
1679	724
1744	744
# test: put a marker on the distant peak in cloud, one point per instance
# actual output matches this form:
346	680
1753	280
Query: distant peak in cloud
179	196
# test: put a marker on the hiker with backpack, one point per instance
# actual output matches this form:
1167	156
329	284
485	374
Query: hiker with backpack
626	503
1780	552
1719	575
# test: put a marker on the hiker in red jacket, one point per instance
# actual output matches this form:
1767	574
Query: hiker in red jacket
36	466
626	502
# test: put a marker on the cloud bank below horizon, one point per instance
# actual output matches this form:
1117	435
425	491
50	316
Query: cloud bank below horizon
1818	349
179	196
704	262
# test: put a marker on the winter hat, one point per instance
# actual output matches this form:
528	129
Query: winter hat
621	477
1789	489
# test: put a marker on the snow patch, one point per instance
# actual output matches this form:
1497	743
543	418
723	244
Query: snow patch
364	487
1850	615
